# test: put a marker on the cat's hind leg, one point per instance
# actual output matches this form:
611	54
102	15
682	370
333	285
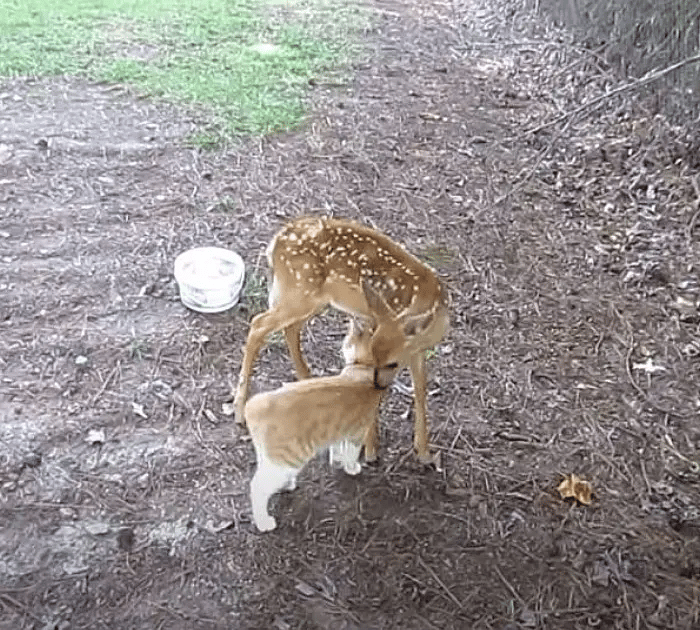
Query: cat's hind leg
335	454
268	479
346	454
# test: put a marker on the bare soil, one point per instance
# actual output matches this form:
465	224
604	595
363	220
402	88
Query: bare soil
571	253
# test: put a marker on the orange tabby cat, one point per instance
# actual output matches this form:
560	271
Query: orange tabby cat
291	424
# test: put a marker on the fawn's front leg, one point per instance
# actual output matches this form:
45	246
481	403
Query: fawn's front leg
290	317
372	438
420	435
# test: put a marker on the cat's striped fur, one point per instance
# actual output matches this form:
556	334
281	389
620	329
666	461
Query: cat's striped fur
291	424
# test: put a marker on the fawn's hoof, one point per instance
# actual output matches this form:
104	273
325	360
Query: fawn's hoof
239	413
430	459
370	457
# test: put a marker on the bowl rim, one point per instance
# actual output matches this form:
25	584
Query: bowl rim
212	253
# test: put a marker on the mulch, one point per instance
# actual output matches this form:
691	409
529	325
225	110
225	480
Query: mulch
565	223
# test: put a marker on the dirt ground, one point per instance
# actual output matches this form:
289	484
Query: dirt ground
572	257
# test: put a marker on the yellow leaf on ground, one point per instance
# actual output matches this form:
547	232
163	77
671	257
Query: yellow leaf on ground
574	486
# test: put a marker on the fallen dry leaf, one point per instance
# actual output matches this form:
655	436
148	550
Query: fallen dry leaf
228	409
95	436
138	410
648	366
574	486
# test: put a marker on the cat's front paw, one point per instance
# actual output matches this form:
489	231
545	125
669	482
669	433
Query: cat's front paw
265	523
352	468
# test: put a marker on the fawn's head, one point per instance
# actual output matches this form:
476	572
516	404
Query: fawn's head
385	342
393	335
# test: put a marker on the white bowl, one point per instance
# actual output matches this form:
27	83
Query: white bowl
210	278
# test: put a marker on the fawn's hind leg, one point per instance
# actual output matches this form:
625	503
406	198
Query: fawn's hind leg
372	438
420	433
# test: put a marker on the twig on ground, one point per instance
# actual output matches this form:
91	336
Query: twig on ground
645	476
543	154
592	104
450	594
694	218
20	606
648	78
509	586
106	382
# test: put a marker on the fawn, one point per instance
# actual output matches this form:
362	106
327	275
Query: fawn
315	262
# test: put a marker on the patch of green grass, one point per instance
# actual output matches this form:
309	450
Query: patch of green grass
138	349
246	64
226	205
438	256
276	339
255	292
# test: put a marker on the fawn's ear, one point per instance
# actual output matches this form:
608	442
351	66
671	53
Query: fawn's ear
416	324
376	302
353	328
360	326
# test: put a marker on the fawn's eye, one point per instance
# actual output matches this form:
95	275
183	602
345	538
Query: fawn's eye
391	366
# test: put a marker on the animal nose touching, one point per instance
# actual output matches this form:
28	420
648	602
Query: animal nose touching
316	262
